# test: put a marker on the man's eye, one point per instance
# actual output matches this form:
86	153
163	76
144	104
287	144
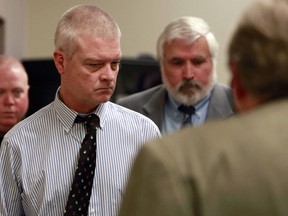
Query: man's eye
176	62
198	61
17	93
95	66
115	65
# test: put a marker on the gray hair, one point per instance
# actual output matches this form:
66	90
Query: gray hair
84	20
259	48
188	29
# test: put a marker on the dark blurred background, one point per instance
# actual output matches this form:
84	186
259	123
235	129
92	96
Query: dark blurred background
135	74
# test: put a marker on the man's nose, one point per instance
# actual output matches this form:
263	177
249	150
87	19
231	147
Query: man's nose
188	71
108	73
8	99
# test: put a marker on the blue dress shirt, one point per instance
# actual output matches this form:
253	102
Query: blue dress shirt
173	118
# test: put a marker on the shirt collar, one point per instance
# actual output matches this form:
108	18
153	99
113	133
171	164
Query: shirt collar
67	116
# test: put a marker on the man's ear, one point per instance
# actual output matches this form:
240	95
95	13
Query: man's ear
59	61
244	100
239	91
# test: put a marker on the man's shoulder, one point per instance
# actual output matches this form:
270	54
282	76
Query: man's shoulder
122	112
221	102
219	87
241	131
195	147
35	120
140	96
203	155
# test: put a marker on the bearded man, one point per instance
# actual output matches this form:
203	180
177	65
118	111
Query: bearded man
190	94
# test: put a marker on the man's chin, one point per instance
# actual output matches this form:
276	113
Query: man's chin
188	99
9	123
189	92
105	91
104	98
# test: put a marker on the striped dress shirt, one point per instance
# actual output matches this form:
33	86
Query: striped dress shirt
40	154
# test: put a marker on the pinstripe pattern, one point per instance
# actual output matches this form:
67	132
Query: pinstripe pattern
39	157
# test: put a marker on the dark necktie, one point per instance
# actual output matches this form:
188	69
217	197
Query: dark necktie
79	197
188	112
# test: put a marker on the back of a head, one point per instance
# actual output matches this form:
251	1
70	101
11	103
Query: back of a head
259	48
84	20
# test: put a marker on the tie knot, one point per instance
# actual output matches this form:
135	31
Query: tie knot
91	121
189	110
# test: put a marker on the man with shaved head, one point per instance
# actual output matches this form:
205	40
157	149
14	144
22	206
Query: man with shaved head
14	89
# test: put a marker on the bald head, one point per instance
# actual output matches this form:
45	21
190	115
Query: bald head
14	89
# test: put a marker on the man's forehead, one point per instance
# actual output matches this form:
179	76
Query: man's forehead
180	49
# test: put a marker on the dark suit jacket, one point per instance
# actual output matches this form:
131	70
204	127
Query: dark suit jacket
233	167
151	103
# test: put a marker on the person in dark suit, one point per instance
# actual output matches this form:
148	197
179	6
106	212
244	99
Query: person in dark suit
186	51
237	166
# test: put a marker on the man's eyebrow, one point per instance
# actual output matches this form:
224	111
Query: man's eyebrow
92	60
175	58
102	60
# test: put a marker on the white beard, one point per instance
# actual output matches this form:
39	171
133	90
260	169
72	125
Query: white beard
189	92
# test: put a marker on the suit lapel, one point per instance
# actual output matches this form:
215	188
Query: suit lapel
154	107
220	103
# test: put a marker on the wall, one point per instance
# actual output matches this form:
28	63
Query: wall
12	12
140	22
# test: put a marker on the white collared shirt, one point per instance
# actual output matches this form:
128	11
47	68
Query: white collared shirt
39	157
